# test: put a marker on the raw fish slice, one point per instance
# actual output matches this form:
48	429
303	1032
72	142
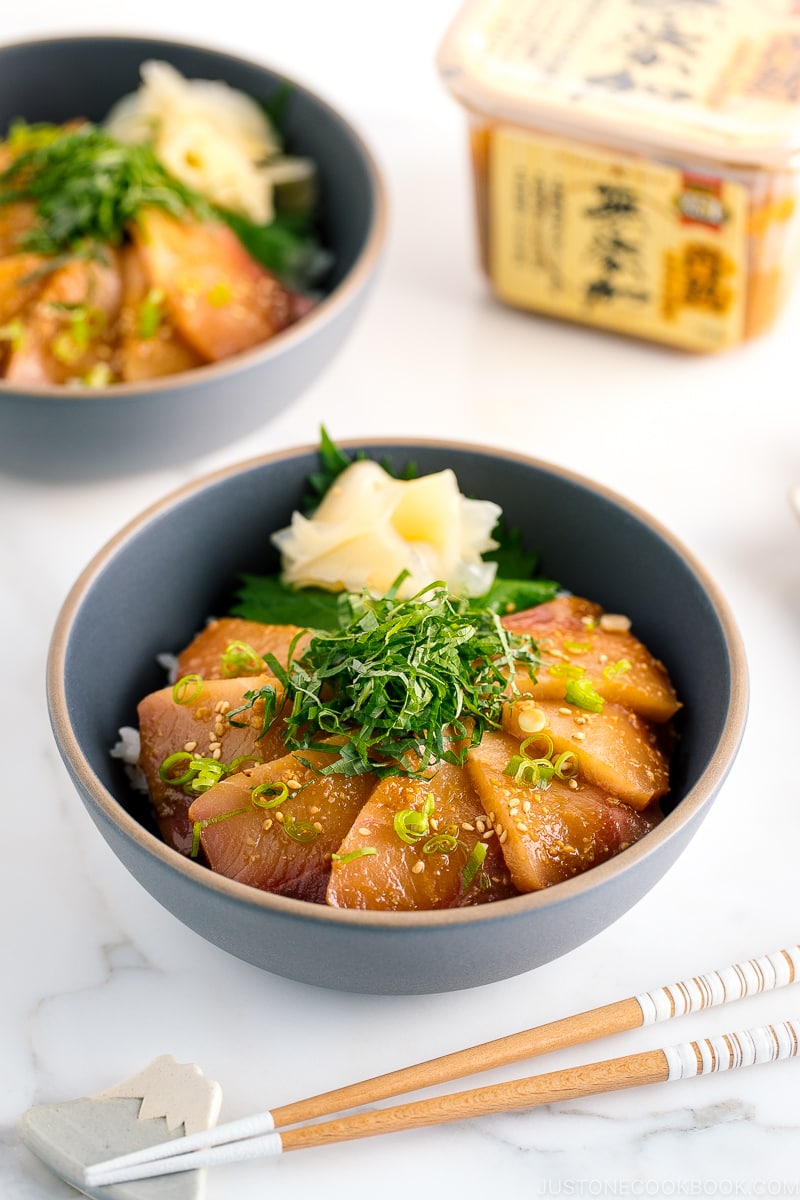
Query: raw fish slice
203	655
16	219
615	748
401	876
220	299
257	847
163	352
20	282
81	284
619	666
200	728
548	836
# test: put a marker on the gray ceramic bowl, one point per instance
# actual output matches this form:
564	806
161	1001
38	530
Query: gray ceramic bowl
61	433
148	591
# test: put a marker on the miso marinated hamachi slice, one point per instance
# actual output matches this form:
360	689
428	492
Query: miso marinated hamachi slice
150	346
203	655
199	728
16	219
548	836
219	298
401	876
285	849
68	326
616	749
20	282
574	635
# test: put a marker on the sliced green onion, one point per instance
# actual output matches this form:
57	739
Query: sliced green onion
473	864
566	765
220	294
300	831
207	772
100	375
567	670
151	314
362	852
440	843
582	693
577	647
13	333
411	824
199	826
620	667
182	756
85	324
187	689
543	743
239	658
274	794
237	764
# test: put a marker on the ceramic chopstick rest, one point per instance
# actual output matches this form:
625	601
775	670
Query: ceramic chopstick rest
160	1103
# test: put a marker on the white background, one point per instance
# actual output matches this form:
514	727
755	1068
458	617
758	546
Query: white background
98	979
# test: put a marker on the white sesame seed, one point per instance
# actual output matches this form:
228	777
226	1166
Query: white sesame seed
418	867
364	831
615	623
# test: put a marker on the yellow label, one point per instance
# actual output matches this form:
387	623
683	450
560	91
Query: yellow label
617	242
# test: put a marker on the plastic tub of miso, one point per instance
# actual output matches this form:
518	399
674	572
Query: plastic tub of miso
635	161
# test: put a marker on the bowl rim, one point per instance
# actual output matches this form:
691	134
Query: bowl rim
321	315
106	804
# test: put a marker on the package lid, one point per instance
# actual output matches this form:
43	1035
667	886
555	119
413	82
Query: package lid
717	78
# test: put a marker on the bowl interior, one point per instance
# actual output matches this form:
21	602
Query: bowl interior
170	573
62	433
59	79
155	586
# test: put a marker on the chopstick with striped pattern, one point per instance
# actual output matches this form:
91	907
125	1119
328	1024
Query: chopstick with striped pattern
763	1044
674	1000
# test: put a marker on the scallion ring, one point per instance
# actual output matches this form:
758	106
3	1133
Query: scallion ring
164	771
566	765
187	689
300	831
440	843
583	694
269	795
567	670
352	855
620	667
473	864
239	658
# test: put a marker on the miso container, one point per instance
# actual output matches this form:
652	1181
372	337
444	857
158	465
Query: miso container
635	161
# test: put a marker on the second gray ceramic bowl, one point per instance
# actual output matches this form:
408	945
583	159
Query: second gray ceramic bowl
149	590
61	433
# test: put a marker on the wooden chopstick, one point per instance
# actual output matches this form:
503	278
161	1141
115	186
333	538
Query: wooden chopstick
763	1044
673	1000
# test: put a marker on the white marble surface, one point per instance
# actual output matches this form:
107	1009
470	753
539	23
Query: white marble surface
97	979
